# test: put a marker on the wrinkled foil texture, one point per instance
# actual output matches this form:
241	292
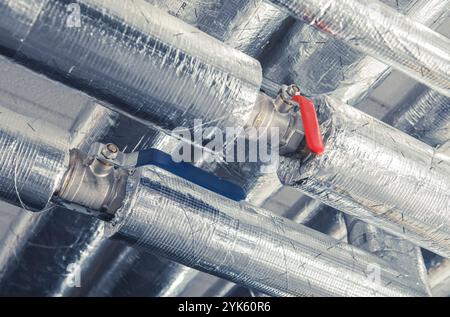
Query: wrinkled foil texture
246	25
376	173
43	262
30	169
427	119
392	249
147	63
379	31
167	215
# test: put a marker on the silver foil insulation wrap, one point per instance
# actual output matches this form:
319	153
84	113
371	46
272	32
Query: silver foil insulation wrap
91	126
145	62
321	64
378	174
30	168
167	215
427	119
361	77
246	25
395	250
379	31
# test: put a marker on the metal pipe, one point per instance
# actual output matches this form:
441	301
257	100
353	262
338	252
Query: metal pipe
379	31
439	277
427	119
366	74
246	25
76	119
30	230
30	168
148	64
393	249
321	64
377	174
165	214
253	33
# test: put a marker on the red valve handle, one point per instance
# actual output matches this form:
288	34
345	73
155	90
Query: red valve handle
310	124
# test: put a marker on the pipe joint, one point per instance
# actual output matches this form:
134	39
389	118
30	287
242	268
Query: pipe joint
93	183
282	115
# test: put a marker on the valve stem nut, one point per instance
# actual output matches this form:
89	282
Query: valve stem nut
110	151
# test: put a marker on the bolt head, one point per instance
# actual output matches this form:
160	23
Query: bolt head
110	151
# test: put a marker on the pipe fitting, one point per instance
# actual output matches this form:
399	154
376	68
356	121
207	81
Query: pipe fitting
93	183
283	103
281	115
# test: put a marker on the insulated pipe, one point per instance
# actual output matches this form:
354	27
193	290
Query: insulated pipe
379	31
30	168
439	277
76	240
246	25
427	119
395	250
320	64
148	64
167	215
92	249
362	77
377	174
79	121
253	32
92	124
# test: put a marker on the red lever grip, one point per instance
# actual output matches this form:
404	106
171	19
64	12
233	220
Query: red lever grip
310	124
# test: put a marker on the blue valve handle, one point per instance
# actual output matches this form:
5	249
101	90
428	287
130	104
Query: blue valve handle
191	173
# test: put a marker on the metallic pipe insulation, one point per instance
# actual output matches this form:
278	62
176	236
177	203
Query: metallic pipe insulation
335	227
323	65
246	25
71	242
286	61
377	174
51	259
99	278
381	32
20	231
93	248
316	62
260	194
91	126
104	278
256	195
326	65
181	277
39	99
368	75
147	63
439	277
361	78
167	215
427	119
217	18
30	168
394	250
254	32
254	177
259	186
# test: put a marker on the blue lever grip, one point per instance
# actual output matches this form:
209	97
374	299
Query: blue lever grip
191	173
